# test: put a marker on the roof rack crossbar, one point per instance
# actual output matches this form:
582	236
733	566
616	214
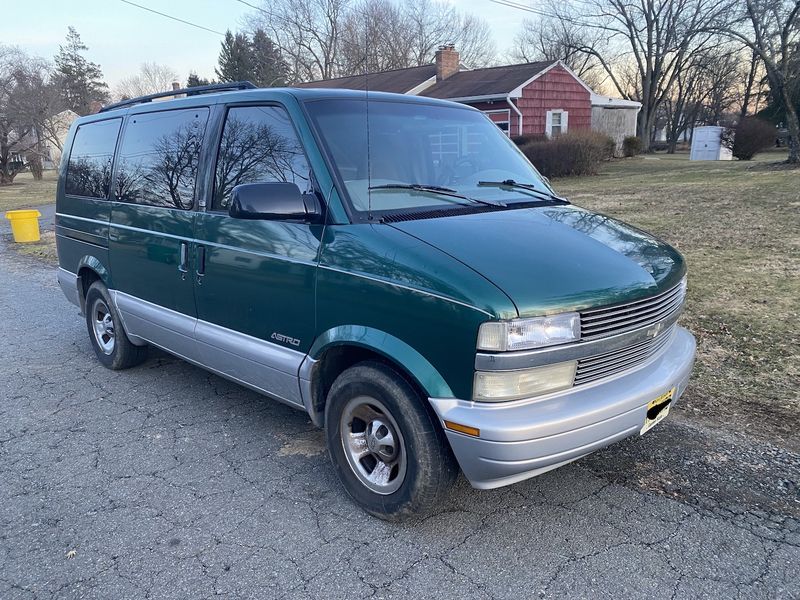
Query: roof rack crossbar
192	91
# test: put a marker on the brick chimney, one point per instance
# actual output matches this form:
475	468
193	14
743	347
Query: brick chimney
446	62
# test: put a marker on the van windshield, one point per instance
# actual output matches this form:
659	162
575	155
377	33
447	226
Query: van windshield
422	156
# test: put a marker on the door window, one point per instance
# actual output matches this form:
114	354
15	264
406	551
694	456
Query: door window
159	157
89	166
258	145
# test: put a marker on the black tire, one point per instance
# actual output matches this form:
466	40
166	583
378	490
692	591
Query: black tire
113	348
429	466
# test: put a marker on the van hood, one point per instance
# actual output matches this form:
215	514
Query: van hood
555	258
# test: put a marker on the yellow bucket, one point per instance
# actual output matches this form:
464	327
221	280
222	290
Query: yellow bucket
24	225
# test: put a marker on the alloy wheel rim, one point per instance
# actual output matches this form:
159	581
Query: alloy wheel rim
103	327
373	445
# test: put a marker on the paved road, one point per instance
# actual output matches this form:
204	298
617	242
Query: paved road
167	482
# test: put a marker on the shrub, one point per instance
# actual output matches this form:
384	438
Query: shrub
573	153
609	146
752	136
631	146
521	140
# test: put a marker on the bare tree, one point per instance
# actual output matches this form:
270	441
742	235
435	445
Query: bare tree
307	33
435	22
376	36
703	91
548	38
323	39
19	79
652	40
771	29
152	78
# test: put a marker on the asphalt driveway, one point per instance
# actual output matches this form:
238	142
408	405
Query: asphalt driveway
167	482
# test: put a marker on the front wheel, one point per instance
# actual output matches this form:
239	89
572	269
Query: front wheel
388	451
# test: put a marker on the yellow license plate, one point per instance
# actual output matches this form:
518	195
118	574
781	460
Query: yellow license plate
657	410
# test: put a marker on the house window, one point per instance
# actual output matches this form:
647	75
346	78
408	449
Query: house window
501	118
556	122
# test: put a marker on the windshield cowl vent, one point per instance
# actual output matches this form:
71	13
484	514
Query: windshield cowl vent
440	212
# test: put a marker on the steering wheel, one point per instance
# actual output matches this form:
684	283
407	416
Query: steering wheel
463	167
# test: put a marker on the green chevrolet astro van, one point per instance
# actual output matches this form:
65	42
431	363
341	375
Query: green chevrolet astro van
392	265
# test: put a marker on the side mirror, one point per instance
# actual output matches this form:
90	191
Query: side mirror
276	201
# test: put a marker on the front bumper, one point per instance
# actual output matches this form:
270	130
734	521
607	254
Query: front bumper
525	438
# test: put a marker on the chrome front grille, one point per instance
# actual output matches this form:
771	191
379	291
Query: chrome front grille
603	365
611	320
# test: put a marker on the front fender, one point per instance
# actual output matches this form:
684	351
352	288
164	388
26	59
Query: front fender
394	349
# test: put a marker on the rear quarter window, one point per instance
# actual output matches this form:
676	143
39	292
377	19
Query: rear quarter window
91	159
159	157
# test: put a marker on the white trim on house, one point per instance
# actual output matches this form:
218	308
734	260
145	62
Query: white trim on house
516	109
485	98
517	91
415	91
563	124
575	75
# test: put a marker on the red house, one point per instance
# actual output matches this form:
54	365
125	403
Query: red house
530	98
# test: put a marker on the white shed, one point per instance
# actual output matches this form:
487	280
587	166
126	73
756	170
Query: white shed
707	144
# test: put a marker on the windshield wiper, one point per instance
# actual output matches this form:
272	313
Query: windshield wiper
435	189
528	187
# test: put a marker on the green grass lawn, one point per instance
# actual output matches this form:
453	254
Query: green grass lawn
26	192
738	225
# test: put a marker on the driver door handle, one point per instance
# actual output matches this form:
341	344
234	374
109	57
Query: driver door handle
183	264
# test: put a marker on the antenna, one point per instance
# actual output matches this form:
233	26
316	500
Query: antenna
366	91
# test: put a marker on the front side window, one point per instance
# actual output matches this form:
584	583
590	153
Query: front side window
91	158
258	145
411	143
159	156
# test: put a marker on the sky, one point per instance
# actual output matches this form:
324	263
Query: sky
121	37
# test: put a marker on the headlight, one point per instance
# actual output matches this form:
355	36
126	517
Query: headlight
501	386
524	334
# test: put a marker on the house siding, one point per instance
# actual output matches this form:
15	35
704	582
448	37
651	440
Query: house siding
554	90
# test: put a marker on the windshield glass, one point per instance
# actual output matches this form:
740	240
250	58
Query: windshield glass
423	145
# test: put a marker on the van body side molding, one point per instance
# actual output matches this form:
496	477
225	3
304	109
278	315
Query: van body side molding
258	364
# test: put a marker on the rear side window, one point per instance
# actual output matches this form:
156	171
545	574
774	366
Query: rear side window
158	158
91	158
258	145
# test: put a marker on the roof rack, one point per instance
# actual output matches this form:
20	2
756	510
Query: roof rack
192	91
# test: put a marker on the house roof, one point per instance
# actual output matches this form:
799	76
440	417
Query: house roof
491	81
611	102
398	81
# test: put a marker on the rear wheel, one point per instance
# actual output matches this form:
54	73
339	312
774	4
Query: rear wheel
111	345
388	450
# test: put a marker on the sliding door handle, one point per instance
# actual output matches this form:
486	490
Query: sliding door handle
183	265
201	263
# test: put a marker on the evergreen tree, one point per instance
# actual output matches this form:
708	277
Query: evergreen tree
81	80
195	80
235	58
269	67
